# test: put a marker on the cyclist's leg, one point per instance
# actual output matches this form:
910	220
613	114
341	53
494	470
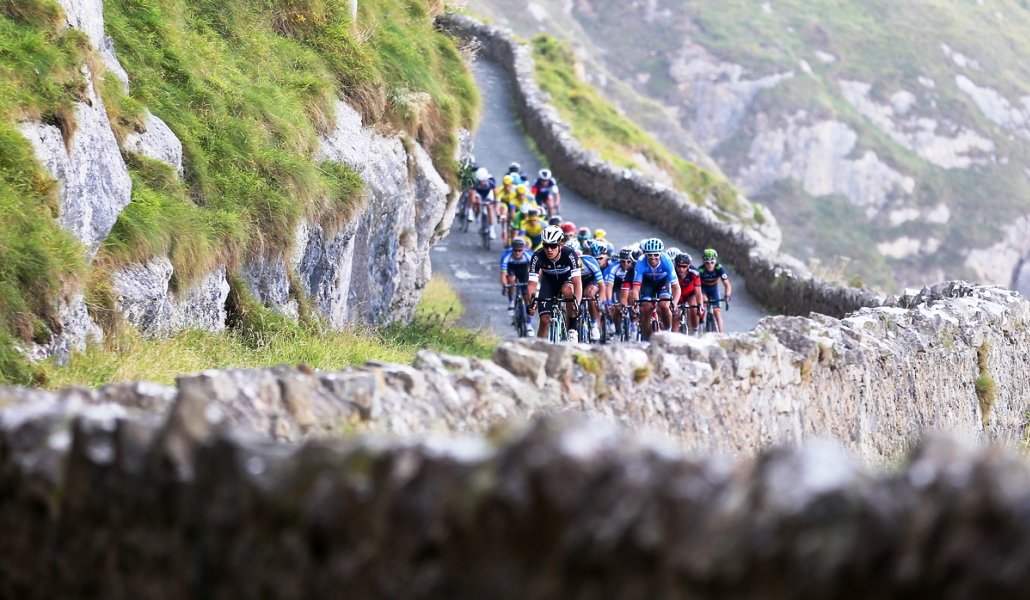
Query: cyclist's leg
544	291
591	291
571	310
664	308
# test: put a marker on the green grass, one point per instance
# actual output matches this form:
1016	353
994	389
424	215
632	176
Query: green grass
268	339
599	126
247	87
38	261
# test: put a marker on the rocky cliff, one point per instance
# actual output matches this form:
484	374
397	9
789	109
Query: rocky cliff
370	268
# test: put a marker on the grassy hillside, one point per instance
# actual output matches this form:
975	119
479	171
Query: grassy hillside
599	126
269	339
247	87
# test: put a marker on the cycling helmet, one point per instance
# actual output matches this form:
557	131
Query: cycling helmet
515	168
600	234
533	212
637	255
545	174
683	259
554	221
521	188
584	233
568	227
652	245
626	254
508	180
596	248
672	253
518	243
482	174
553	235
711	255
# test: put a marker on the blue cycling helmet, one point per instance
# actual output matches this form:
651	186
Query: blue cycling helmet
652	245
596	247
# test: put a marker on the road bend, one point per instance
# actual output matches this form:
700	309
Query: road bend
474	272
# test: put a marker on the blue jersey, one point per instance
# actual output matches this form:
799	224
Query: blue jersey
663	273
591	270
519	267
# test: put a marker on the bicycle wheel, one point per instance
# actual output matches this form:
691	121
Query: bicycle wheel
463	212
521	327
583	324
624	329
602	323
561	328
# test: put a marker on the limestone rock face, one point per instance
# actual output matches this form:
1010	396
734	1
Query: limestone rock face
77	330
157	142
94	182
375	267
146	301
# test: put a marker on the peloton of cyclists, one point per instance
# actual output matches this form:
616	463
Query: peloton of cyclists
557	258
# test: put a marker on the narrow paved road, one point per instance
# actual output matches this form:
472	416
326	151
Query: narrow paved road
475	272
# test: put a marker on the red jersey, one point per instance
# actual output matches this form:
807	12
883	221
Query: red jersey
689	283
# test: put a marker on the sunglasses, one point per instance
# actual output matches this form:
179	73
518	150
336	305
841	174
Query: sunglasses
655	255
682	266
709	262
552	246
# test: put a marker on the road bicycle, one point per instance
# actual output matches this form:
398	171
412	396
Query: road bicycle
711	323
485	227
464	206
626	319
520	320
656	323
685	322
558	328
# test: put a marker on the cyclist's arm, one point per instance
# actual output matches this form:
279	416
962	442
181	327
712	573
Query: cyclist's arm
675	292
726	284
698	296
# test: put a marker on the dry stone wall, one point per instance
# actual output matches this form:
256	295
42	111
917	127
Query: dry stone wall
778	281
107	501
875	380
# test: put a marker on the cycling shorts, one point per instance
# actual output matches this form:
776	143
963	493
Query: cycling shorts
712	292
654	290
550	287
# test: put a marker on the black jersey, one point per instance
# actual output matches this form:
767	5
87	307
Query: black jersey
564	267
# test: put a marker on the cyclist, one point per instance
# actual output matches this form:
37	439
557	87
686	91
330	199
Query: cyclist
672	253
515	170
514	269
593	287
507	201
533	227
518	210
483	198
582	237
569	231
619	279
690	294
654	280
545	189
555	220
554	269
602	236
711	274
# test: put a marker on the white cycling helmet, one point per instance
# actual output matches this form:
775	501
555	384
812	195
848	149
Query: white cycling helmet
553	235
673	252
482	174
545	174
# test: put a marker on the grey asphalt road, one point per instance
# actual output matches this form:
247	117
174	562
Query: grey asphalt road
475	272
